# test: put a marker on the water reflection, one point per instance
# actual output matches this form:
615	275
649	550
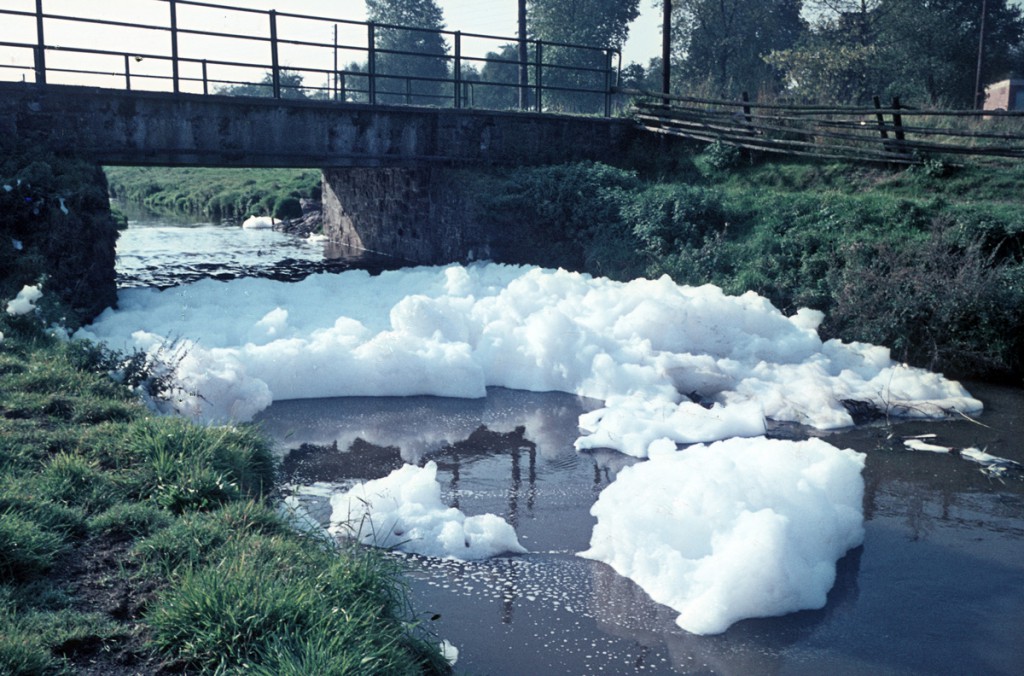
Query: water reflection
938	586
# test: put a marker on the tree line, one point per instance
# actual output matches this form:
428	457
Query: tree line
927	52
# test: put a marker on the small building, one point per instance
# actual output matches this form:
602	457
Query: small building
1005	95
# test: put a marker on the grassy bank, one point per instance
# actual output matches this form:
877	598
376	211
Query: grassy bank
139	544
929	261
216	194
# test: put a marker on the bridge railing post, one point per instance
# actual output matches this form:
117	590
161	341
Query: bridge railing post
371	63
127	73
608	84
206	87
539	75
274	66
40	49
174	46
458	69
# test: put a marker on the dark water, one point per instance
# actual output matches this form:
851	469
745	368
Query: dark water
937	587
161	251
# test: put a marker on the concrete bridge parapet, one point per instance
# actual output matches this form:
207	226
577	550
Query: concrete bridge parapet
159	128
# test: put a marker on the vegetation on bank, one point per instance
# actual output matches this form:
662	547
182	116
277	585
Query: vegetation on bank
216	194
927	261
131	543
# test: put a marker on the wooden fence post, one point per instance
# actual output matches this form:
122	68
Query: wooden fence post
880	119
746	113
897	124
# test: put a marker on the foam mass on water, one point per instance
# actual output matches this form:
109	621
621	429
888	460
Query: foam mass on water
742	528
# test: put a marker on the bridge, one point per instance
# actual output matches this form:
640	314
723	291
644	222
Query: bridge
190	83
196	83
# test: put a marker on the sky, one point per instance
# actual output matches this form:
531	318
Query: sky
497	18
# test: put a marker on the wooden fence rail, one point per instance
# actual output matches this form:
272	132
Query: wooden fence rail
893	134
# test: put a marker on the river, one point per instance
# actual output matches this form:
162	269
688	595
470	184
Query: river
937	587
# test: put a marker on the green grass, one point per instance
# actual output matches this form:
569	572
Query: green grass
126	536
215	194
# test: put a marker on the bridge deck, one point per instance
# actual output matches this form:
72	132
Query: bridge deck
157	128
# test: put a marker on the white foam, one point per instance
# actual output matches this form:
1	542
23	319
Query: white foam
404	511
259	223
735	529
25	301
642	347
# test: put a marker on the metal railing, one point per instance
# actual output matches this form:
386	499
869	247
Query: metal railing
188	46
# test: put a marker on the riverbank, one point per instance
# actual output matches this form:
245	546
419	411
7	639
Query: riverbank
927	261
131	543
215	195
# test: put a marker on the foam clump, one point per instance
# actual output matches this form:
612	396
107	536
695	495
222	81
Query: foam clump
734	529
688	363
25	301
404	511
259	223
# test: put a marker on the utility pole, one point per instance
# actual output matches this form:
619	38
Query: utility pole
666	48
524	73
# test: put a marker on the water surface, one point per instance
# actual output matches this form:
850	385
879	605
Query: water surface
937	587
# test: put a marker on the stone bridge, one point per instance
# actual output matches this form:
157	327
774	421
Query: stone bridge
386	168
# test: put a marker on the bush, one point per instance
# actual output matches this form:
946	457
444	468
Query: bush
566	209
939	306
721	156
287	207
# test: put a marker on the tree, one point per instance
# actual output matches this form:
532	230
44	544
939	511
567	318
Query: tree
600	24
931	47
498	83
924	51
290	84
411	63
721	44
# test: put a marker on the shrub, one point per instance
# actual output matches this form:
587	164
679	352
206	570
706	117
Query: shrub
287	207
939	306
721	156
565	209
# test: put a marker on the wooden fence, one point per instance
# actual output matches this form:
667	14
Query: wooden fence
891	134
